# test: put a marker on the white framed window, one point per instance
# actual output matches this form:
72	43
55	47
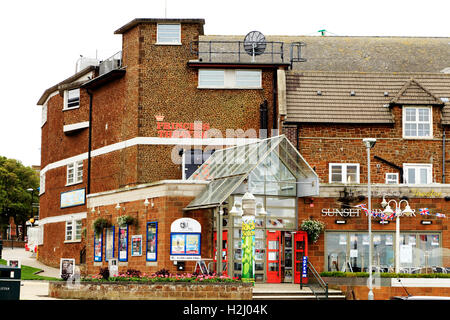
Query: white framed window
75	172
42	183
417	173
417	122
71	99
73	230
344	172
229	79
208	78
168	34
392	178
44	114
248	79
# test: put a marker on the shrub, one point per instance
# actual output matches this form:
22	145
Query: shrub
104	273
313	228
99	224
125	220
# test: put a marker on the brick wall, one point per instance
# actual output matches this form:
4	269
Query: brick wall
321	144
155	291
165	211
360	224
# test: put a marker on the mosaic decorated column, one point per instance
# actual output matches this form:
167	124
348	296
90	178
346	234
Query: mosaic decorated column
248	237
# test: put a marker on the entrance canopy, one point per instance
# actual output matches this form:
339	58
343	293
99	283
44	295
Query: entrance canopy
270	166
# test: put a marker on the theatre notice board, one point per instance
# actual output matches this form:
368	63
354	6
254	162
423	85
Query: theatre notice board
185	240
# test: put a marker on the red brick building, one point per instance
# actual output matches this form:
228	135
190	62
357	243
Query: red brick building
112	144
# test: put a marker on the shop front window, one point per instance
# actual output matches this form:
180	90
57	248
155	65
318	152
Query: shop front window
336	250
359	252
350	252
383	258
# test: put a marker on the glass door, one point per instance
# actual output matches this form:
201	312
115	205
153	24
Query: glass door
273	256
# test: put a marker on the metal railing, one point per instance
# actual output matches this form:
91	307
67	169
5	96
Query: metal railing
234	51
111	63
315	283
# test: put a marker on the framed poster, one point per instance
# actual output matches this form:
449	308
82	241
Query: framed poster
98	245
177	243
73	198
109	243
136	246
13	263
192	243
66	267
152	241
123	243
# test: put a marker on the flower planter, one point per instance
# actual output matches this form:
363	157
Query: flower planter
87	290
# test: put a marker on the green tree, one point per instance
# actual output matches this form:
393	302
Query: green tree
15	200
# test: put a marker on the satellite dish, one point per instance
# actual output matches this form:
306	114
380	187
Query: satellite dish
255	43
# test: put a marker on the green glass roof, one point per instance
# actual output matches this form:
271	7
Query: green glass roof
268	164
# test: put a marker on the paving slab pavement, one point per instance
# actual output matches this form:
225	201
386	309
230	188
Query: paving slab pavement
31	289
29	259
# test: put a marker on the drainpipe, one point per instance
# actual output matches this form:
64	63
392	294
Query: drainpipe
88	191
443	157
274	86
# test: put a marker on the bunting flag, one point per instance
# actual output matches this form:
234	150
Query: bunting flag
380	214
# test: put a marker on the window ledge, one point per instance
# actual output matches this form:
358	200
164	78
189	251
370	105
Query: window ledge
231	88
418	138
72	241
73	108
73	183
168	43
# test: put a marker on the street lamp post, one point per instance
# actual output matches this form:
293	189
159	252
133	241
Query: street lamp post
369	143
31	209
398	213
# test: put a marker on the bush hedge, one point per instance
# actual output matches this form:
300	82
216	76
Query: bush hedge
384	275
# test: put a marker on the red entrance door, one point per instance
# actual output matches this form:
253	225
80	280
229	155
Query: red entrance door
224	251
273	257
300	256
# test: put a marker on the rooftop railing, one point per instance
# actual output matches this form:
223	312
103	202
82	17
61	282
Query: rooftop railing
111	63
221	51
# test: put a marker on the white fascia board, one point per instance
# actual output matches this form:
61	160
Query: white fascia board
63	218
76	126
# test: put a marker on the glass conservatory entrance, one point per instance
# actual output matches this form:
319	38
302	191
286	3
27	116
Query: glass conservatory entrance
276	174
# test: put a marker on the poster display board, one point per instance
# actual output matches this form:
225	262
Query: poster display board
109	243
66	268
98	245
185	240
73	198
123	243
152	241
136	245
248	249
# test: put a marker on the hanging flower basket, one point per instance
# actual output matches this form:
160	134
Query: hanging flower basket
125	220
100	224
313	228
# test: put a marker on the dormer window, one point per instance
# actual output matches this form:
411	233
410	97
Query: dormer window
71	99
168	34
417	122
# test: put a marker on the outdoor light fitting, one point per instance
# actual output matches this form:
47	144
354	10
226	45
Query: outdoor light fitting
146	203
369	142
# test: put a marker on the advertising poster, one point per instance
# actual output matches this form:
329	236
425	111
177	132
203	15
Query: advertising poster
123	244
109	243
248	248
178	243
192	244
434	240
389	240
66	268
405	253
152	240
136	246
98	248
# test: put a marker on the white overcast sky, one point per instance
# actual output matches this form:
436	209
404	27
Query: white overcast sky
41	40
